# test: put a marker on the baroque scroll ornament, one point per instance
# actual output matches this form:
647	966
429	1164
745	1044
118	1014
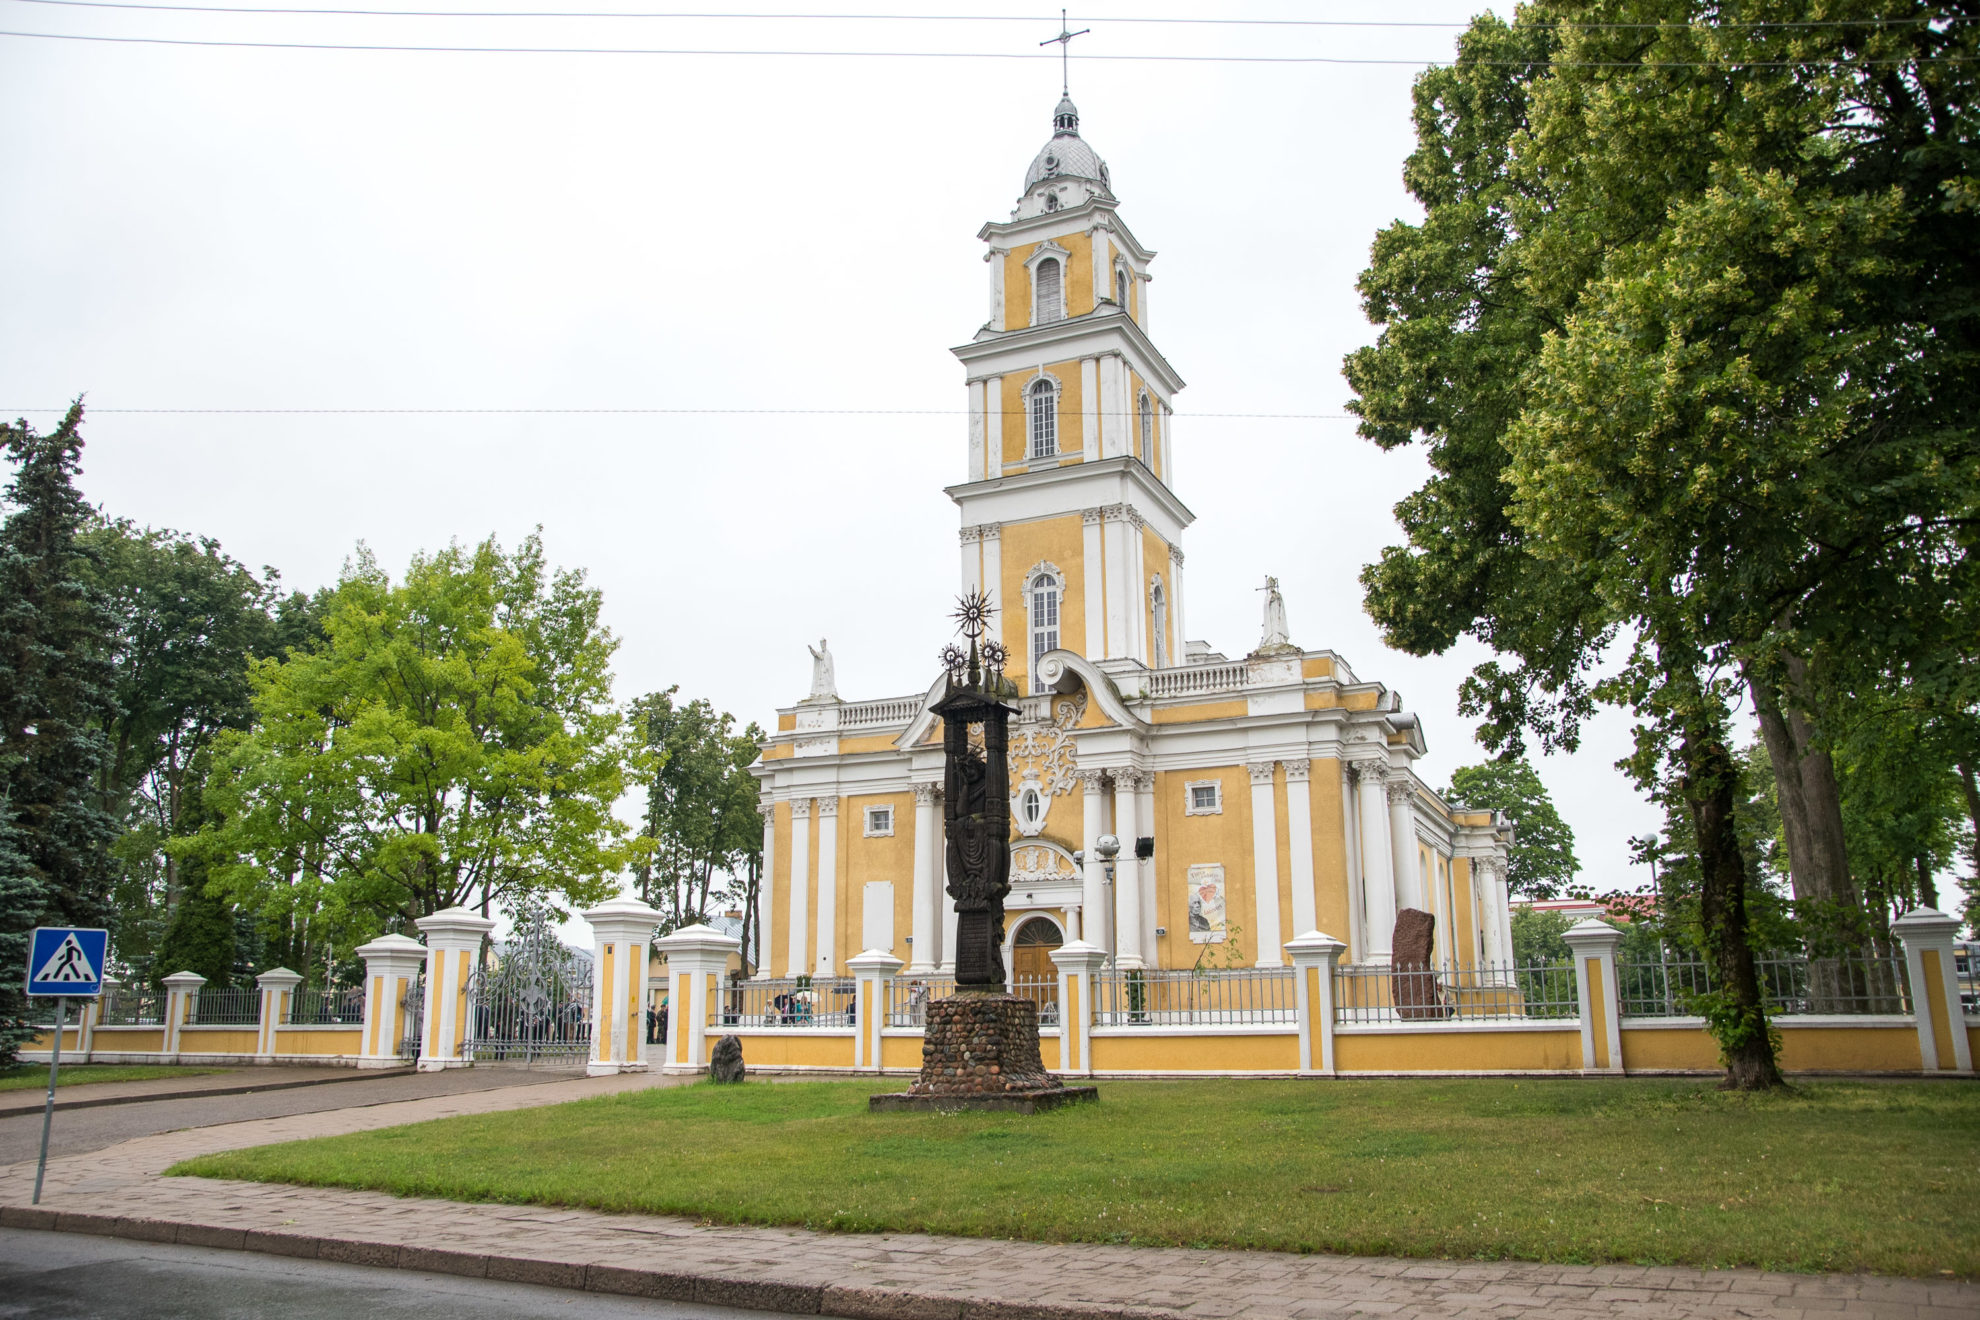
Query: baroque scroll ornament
1043	751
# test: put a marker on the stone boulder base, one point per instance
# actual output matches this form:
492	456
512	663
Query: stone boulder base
1413	982
725	1062
981	1052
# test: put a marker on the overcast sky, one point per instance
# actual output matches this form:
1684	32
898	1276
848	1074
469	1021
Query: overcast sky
204	227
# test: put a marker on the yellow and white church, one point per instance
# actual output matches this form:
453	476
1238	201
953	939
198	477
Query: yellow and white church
1255	799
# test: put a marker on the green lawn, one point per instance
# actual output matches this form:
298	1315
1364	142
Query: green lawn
1835	1176
34	1076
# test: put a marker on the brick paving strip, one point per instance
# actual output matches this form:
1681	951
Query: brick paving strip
230	1081
119	1191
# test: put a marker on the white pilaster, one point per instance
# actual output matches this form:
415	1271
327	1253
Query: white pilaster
1092	871
995	258
1144	804
1120	587
453	938
927	866
621	932
1402	844
1137	581
1265	863
825	955
1168	447
1127	888
1299	840
976	432
1501	912
1176	623
1089	408
1093	583
1377	869
1103	265
993	428
390	964
797	958
1357	892
993	582
766	892
1113	413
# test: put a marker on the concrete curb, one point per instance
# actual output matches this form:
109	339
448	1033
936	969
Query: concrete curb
86	1102
704	1288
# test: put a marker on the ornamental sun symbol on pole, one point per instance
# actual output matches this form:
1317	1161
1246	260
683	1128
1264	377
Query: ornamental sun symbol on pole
976	793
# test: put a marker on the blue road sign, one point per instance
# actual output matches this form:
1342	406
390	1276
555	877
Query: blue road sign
67	960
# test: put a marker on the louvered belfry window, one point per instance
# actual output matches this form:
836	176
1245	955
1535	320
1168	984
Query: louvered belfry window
1051	305
1044	623
1044	419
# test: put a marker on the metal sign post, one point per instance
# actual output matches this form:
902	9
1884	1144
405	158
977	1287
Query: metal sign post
64	963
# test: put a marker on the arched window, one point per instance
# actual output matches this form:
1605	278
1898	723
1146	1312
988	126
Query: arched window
1044	419
1044	594
1147	433
1158	608
1121	286
1051	302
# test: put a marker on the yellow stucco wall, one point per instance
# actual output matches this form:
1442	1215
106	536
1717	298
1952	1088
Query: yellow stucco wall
1061	543
866	861
1847	1049
1193	840
1016	446
900	1052
1155	561
1330	870
319	1041
217	1040
1464	923
1206	710
1210	1054
1459	1051
809	1049
139	1040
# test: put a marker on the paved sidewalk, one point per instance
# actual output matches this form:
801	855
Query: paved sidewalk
118	1191
224	1081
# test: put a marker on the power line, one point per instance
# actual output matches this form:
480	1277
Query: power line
1125	20
632	412
967	54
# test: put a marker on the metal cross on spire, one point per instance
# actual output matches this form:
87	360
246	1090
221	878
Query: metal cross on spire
1065	43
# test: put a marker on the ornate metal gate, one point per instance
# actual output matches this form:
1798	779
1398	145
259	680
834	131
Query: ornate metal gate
532	1002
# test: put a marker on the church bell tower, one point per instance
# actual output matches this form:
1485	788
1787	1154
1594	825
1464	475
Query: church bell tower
1070	523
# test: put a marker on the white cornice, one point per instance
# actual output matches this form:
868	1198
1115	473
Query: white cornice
1054	336
1122	479
1017	232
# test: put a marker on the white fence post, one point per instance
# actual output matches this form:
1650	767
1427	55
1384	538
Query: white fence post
1078	963
621	930
453	938
875	970
1594	944
1928	957
181	997
696	959
1314	956
278	988
92	1017
390	964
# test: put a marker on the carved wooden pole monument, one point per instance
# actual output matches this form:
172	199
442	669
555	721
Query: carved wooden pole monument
980	1046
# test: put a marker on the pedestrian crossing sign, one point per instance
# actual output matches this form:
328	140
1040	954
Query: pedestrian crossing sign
67	960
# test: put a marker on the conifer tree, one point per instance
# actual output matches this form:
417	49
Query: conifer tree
54	700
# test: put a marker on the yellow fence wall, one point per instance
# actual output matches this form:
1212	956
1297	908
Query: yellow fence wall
1550	1049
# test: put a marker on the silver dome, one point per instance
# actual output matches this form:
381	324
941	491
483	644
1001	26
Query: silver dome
1067	156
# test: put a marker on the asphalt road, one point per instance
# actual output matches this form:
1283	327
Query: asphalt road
79	1130
70	1276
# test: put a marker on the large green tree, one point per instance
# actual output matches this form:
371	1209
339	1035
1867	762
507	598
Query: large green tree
1542	864
55	699
451	740
701	822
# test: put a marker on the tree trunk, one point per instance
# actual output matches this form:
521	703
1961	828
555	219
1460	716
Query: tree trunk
1971	784
1708	786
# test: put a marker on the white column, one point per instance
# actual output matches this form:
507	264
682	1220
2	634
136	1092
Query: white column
1127	888
278	988
923	955
797	958
1176	623
1299	838
390	964
1140	296
1402	844
948	904
1137	596
1502	911
1144	803
1265	863
621	932
1377	870
1119	585
825	956
453	938
976	432
1357	892
1093	583
1089	408
1113	421
993	582
1093	872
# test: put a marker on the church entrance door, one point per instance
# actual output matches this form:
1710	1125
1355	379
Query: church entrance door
1033	974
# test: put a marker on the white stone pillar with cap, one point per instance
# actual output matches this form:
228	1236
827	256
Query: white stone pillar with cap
874	971
1943	1043
696	958
391	963
181	999
1314	956
621	931
453	938
278	990
1595	944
